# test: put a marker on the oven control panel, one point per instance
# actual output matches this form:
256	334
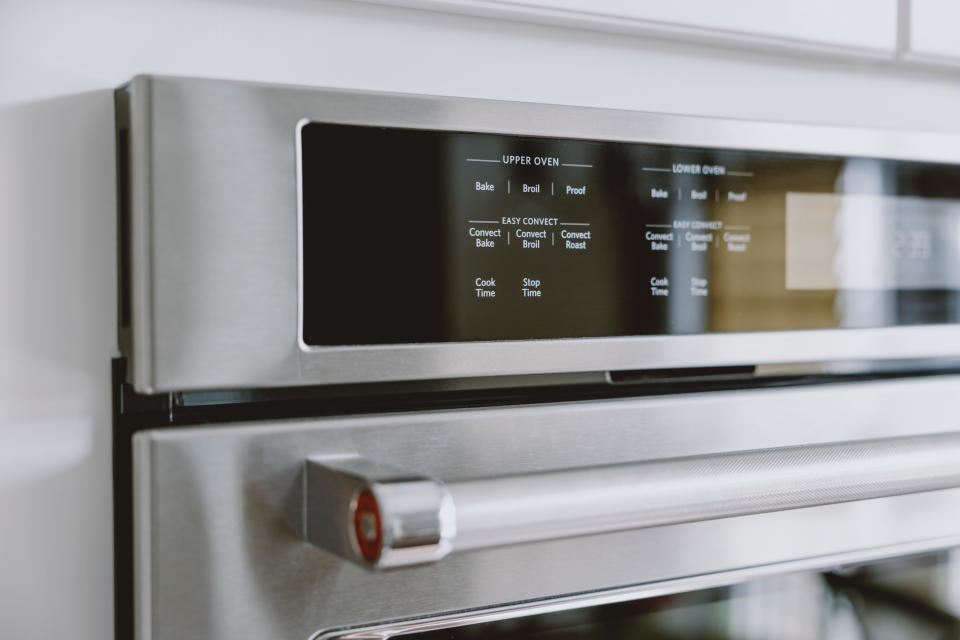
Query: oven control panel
412	236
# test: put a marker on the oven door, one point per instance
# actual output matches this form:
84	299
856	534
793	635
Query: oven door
244	530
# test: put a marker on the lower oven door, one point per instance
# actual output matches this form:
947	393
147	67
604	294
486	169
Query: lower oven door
257	530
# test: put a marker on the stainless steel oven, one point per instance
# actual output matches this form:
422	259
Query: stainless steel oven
400	365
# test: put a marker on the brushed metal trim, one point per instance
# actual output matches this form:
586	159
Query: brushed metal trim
299	147
626	594
143	550
138	93
475	115
207	335
378	363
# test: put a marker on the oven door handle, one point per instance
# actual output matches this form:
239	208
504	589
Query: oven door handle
382	517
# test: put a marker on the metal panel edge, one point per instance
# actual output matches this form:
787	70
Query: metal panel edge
409	362
625	594
143	553
481	115
141	215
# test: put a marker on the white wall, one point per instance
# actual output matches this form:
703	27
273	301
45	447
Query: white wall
58	62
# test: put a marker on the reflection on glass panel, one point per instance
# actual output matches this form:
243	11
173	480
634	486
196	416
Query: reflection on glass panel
837	241
905	598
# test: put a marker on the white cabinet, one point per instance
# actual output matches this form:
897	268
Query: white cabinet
934	30
855	26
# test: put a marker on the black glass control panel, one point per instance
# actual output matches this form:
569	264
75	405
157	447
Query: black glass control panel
415	236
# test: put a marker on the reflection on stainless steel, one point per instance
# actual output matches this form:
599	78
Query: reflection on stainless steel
850	603
487	512
843	241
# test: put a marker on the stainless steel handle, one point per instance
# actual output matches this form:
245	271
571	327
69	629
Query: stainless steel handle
383	517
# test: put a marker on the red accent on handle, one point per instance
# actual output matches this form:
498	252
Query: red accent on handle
366	506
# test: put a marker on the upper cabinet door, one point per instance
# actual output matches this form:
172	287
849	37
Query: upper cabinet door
856	26
933	29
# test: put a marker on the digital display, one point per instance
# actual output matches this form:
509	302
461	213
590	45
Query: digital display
415	236
843	242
